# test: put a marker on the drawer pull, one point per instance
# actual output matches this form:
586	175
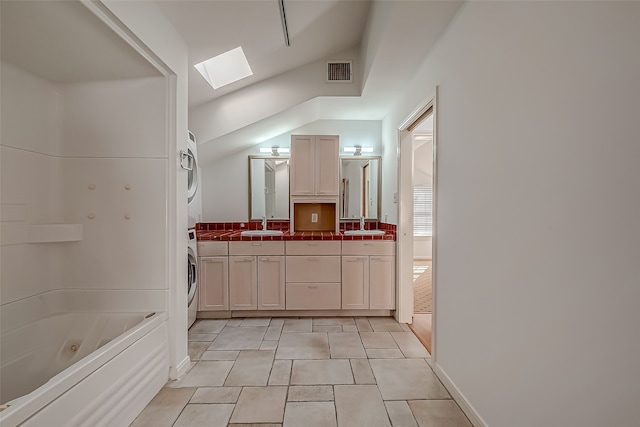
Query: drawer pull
357	259
256	244
313	286
376	258
312	259
312	244
248	258
265	259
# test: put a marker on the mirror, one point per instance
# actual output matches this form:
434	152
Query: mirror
360	187
269	187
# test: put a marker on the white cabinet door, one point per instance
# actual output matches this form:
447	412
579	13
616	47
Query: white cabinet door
314	165
327	165
243	289
355	282
382	284
302	168
214	284
271	284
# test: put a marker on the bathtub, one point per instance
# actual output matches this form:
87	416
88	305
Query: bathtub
69	366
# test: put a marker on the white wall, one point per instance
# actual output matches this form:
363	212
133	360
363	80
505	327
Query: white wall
225	181
537	160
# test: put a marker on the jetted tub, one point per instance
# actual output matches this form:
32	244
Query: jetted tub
79	368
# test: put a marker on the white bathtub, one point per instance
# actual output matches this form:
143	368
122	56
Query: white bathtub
72	367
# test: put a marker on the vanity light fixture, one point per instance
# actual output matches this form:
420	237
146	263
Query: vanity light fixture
357	150
275	151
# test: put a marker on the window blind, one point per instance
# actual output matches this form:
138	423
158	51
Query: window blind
422	211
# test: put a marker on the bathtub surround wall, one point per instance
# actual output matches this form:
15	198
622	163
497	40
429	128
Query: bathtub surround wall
99	154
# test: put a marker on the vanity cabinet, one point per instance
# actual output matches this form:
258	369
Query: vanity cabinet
256	275
368	275
314	165
213	279
313	275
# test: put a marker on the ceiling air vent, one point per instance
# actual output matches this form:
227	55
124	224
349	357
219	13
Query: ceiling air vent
339	71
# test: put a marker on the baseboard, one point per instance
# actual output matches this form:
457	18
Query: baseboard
466	407
293	313
181	369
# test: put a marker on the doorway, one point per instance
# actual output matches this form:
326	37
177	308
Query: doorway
415	245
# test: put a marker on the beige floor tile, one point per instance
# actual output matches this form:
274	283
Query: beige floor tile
319	372
384	353
429	361
407	379
280	373
405	327
363	324
441	413
269	345
252	367
297	325
362	372
234	323
277	321
195	349
241	338
208	326
360	405
207	374
196	337
273	332
378	340
310	393
346	345
199	415
216	395
313	345
385	324
409	344
400	414
349	328
256	425
309	414
260	405
256	321
220	355
327	328
329	321
164	408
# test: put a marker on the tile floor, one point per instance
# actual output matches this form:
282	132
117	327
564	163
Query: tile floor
306	372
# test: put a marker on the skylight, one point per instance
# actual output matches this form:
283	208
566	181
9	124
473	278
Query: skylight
225	68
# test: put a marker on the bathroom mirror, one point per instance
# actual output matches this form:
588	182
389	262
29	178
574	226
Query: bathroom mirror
269	187
360	187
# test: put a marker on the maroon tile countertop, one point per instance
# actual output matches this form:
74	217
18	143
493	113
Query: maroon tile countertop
232	232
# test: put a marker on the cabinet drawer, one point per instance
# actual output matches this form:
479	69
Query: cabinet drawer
313	247
256	248
213	248
368	247
313	296
313	268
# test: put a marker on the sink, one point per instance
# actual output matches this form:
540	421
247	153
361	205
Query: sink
364	232
261	233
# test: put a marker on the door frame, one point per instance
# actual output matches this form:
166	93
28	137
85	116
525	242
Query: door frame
404	313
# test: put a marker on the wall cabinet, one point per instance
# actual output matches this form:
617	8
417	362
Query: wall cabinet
256	276
213	279
314	165
368	275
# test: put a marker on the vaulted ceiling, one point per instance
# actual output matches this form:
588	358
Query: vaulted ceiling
386	40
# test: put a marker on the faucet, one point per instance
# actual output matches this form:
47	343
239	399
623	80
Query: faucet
264	222
361	223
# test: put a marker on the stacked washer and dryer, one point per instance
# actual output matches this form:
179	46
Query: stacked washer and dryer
190	163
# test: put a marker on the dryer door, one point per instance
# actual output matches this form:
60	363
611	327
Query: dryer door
192	275
192	176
